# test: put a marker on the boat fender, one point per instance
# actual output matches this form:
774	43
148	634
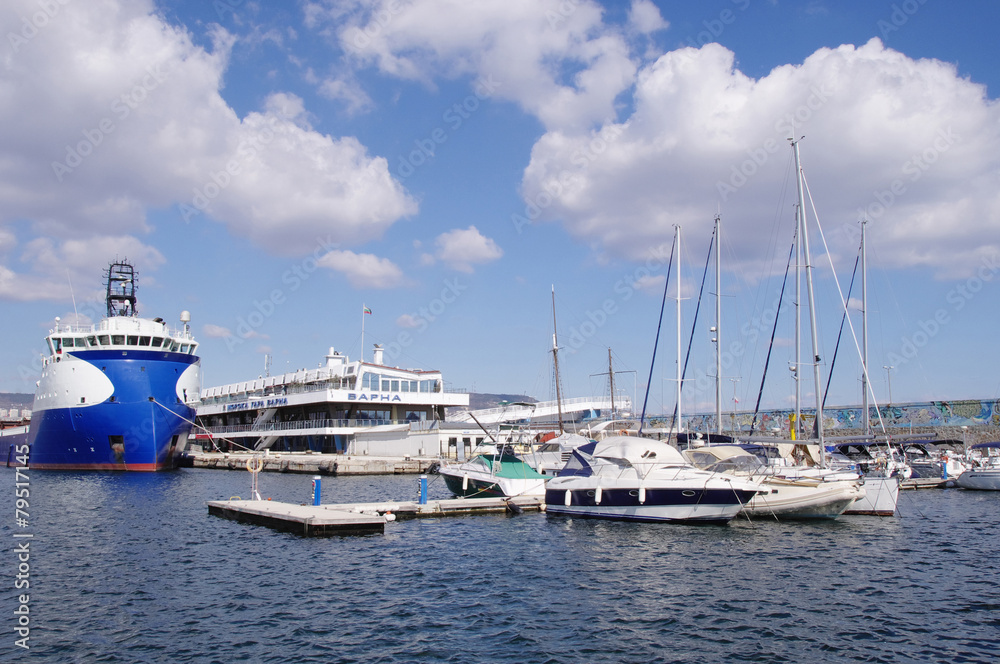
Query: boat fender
598	494
568	498
465	482
389	516
642	495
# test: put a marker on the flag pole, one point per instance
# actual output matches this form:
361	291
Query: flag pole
363	308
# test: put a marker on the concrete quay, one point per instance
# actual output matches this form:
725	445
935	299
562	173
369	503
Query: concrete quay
312	463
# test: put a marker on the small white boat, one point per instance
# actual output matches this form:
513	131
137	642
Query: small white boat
628	478
785	497
491	475
882	467
984	468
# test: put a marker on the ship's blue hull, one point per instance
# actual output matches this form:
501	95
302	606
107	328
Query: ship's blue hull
141	426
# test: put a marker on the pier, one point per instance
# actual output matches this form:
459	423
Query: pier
360	518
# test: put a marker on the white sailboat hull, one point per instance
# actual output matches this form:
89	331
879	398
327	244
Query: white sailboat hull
881	494
983	479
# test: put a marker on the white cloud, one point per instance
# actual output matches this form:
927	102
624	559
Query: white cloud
553	58
347	91
57	269
216	331
703	135
363	270
408	321
645	17
461	248
107	111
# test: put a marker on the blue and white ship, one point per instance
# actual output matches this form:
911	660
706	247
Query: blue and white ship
118	395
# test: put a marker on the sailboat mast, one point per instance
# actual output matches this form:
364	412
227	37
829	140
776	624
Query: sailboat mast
803	227
718	325
555	361
798	321
866	418
678	275
611	379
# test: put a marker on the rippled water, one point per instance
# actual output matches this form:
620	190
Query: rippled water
131	568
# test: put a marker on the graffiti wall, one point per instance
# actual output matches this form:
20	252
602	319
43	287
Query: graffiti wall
927	414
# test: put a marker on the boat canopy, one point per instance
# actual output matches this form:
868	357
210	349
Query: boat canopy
980	446
724	458
639	451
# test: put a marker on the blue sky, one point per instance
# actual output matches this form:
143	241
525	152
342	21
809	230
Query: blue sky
275	167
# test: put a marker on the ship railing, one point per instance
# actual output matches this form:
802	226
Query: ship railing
297	388
298	425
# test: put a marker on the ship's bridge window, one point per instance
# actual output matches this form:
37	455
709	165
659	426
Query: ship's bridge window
55	345
174	345
193	346
157	342
395	386
133	340
104	340
92	340
184	348
118	339
143	341
385	386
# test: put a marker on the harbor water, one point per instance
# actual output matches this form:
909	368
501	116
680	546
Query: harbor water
129	567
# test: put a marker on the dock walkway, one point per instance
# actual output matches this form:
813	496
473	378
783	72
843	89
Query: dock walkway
359	518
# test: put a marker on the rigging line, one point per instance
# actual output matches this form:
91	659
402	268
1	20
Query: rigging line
198	426
694	324
836	348
772	254
770	346
659	324
843	302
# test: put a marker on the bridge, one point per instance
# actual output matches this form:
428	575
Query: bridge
573	410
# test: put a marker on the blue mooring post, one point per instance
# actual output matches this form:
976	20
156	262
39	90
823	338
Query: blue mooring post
317	485
423	489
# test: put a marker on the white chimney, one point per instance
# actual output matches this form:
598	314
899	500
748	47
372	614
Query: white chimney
377	355
334	359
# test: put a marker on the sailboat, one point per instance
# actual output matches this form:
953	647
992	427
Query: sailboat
783	497
881	477
800	459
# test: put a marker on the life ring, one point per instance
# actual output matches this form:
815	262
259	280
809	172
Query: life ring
255	464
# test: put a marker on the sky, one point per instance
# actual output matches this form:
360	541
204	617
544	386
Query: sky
274	168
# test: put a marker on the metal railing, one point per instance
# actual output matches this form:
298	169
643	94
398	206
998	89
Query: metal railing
298	425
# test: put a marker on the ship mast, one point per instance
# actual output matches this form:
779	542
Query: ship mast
120	299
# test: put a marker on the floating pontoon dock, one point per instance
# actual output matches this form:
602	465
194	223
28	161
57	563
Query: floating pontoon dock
358	518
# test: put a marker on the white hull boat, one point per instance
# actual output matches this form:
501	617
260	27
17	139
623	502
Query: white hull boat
636	479
984	468
783	497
